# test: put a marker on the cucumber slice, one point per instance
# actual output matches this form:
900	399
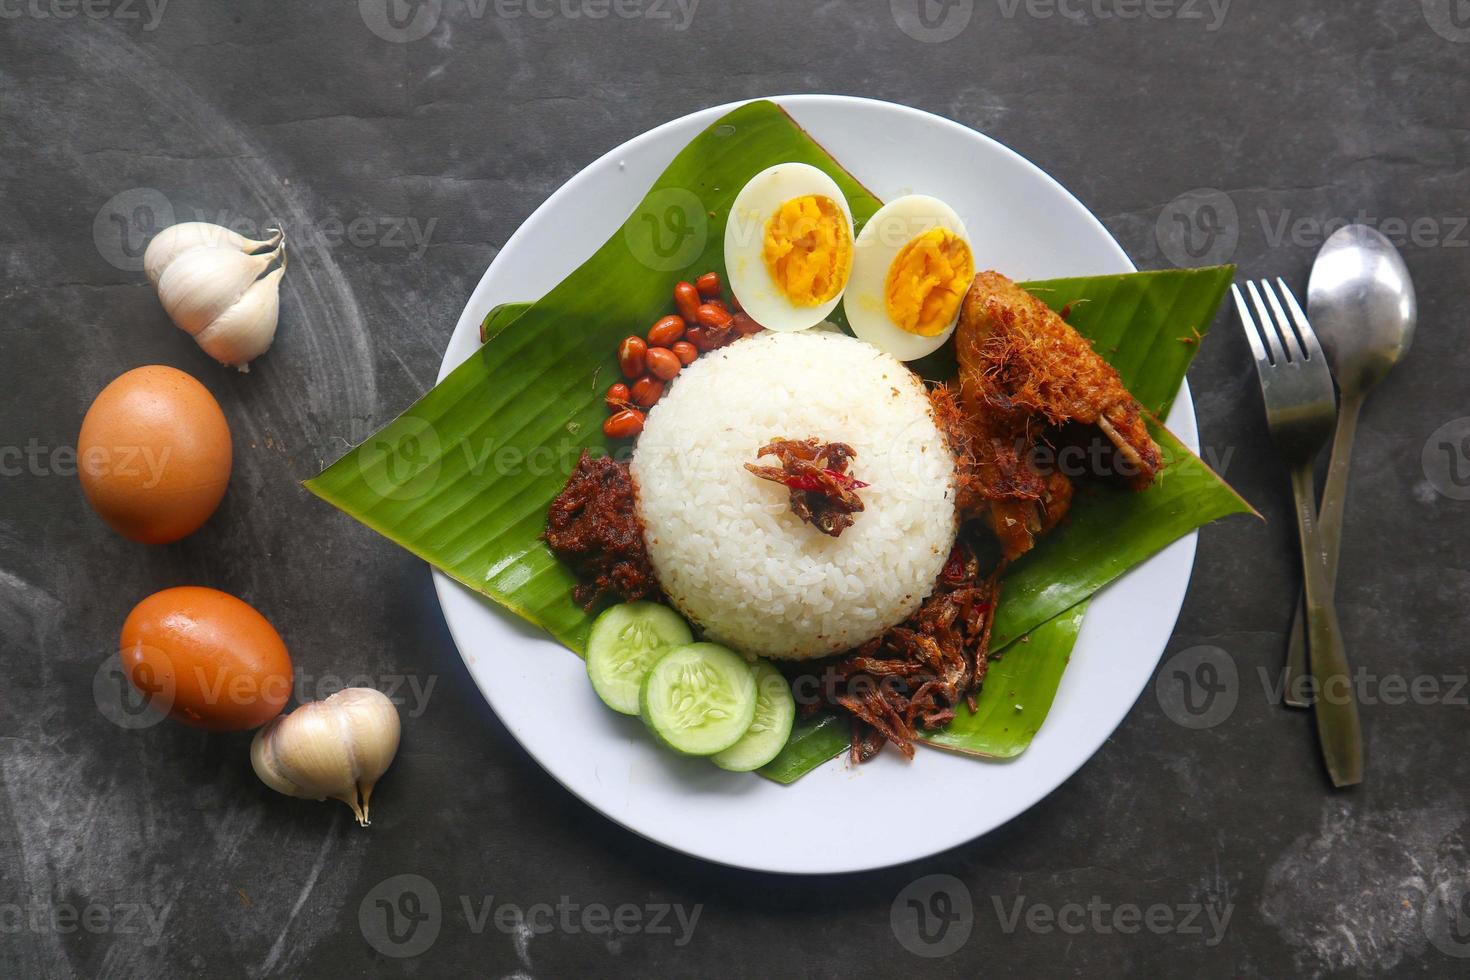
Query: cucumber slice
775	710
626	641
699	699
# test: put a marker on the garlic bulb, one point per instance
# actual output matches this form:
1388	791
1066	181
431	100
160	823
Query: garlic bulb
244	331
211	285
339	747
177	239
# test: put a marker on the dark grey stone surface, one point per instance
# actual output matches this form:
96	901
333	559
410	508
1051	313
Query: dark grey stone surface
158	853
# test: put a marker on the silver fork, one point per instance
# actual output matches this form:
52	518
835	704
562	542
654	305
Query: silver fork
1296	385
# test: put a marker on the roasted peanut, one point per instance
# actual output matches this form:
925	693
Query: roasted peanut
624	425
702	338
686	352
631	355
713	317
686	300
662	363
617	397
666	331
647	390
708	285
744	325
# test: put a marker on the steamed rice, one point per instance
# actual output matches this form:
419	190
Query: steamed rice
727	549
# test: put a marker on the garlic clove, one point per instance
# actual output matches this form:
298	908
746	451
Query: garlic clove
373	727
177	239
204	282
245	331
307	755
339	747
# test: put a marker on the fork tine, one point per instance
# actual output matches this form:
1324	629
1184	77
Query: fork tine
1303	327
1288	335
1268	326
1251	333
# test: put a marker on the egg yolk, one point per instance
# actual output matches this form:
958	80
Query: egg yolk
808	249
927	281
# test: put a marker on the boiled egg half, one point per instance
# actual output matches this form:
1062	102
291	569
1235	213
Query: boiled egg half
789	246
912	268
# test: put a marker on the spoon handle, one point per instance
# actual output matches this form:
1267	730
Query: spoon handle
1336	710
1329	529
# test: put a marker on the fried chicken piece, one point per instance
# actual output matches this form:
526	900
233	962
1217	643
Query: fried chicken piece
1015	352
996	479
1023	369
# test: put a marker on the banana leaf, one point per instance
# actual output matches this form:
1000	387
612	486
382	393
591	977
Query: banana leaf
1017	694
463	478
499	318
813	742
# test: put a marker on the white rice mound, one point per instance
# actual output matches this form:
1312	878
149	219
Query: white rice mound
729	552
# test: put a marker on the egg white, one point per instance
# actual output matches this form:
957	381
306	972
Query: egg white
893	226
745	234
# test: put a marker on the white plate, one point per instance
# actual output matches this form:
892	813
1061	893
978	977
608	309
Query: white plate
1024	224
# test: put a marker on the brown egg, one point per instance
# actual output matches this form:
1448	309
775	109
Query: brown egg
154	454
207	658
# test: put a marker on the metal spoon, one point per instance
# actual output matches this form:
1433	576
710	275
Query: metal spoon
1361	303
